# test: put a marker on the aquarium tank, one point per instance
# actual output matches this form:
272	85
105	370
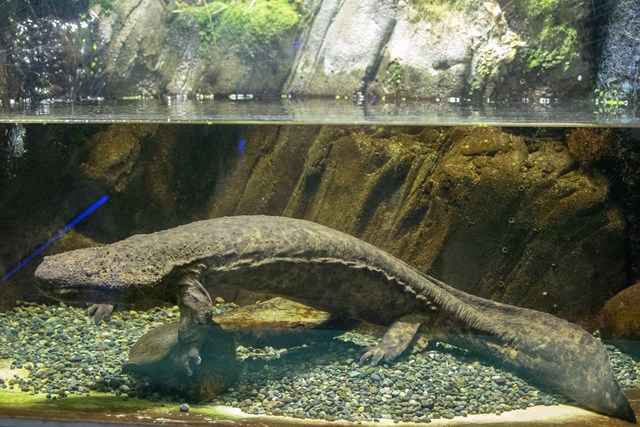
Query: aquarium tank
284	212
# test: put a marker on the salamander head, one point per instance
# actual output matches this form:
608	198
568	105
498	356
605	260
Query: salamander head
94	275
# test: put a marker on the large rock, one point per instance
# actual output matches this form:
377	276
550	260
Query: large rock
619	319
343	45
153	49
393	49
137	60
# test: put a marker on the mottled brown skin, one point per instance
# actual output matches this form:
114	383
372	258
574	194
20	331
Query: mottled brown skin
338	273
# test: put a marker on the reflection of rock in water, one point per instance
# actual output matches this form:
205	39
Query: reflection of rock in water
12	146
15	139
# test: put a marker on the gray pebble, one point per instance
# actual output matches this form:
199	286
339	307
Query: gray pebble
499	380
71	355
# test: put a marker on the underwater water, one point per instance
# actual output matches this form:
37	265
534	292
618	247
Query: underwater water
542	218
280	212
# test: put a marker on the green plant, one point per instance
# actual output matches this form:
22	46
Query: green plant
434	11
539	7
553	39
249	28
396	73
557	46
255	29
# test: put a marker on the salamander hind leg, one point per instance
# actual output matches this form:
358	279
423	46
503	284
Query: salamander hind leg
394	342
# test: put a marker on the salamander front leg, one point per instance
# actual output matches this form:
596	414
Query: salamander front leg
100	312
195	319
394	342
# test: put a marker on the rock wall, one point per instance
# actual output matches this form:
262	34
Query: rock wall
183	55
393	48
386	48
343	47
389	48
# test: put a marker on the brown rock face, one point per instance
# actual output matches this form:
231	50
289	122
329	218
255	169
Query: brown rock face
114	154
494	214
619	317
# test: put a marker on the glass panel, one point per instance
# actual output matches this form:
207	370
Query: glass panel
275	211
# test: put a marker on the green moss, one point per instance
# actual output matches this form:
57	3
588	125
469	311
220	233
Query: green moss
106	5
552	40
539	7
259	25
396	74
557	46
249	28
434	11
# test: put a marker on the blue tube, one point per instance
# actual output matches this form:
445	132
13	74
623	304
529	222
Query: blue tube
59	234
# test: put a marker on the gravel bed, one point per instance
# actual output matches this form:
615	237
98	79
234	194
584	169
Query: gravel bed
65	353
330	383
62	352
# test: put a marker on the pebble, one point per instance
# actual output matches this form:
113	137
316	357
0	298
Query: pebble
499	380
68	354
